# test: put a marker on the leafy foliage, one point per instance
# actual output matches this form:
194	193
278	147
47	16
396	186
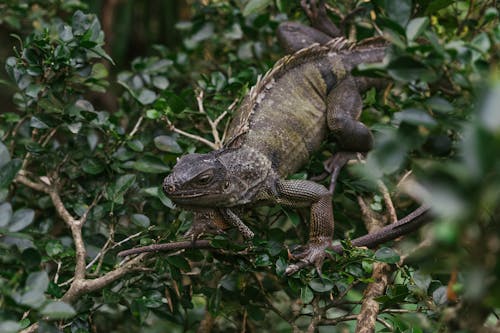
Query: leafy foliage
70	168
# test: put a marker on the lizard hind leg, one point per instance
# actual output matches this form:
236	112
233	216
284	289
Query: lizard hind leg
344	106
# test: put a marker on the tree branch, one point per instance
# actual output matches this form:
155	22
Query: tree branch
79	287
368	315
406	225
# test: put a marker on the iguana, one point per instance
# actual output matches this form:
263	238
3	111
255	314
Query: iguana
280	123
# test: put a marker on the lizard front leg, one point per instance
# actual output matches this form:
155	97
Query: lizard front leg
212	221
233	219
303	193
206	221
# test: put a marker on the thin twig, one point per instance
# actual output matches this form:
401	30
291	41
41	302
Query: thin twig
218	140
388	202
213	123
136	127
335	321
198	138
386	324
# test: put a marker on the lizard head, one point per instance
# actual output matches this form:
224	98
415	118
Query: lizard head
199	180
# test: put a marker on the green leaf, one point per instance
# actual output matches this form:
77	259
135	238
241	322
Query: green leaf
387	255
439	104
75	127
150	164
58	310
53	248
256	313
398	11
38	281
153	114
140	220
31	298
146	96
415	27
9	171
415	117
153	299
482	42
4	154
306	295
255	6
110	297
160	82
21	219
124	183
436	5
5	214
37	123
9	326
422	280
281	265
65	33
262	260
116	191
440	295
167	143
164	199
490	117
92	166
179	262
321	285
34	147
408	69
135	145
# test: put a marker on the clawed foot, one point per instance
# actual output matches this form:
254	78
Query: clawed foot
311	254
197	230
316	12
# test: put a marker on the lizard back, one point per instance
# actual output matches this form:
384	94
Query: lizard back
284	114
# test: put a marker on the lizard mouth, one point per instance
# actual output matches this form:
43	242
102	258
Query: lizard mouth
185	196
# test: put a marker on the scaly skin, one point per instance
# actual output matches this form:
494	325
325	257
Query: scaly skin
281	122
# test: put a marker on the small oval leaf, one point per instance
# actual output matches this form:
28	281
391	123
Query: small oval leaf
21	219
321	285
5	214
387	255
140	220
168	144
58	310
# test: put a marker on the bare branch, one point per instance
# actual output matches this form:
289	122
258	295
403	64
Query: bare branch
21	178
174	246
368	315
82	286
388	202
335	321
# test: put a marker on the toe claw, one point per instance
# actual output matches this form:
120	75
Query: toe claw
313	254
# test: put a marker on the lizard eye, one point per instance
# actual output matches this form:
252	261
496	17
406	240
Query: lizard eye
226	185
204	179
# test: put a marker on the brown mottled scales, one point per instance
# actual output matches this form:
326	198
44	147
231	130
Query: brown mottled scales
281	122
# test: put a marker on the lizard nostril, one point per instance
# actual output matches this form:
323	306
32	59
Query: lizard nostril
169	188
